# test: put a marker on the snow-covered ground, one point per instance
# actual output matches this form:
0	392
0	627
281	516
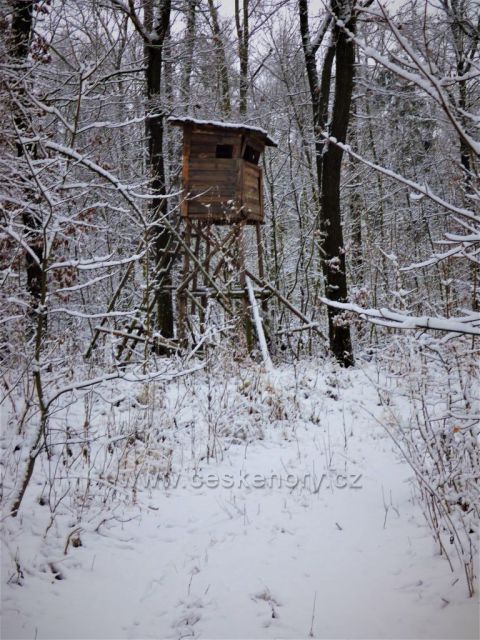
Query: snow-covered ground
301	523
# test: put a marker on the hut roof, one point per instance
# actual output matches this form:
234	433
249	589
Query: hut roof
231	126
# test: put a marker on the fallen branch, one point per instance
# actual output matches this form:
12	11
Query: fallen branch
258	325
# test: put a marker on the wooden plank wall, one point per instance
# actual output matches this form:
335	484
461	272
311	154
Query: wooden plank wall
251	189
221	190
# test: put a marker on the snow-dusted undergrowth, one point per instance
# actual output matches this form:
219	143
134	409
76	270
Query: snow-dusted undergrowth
231	502
430	392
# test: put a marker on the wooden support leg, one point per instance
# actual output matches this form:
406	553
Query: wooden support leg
182	297
197	252
204	300
261	264
245	301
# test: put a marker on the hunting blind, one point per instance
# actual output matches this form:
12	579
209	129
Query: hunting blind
214	246
222	196
219	243
222	179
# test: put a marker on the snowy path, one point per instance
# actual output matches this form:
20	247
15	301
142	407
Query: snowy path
249	561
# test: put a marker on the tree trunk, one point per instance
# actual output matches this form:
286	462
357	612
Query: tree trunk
22	20
243	41
329	159
334	258
221	59
319	91
191	8
162	240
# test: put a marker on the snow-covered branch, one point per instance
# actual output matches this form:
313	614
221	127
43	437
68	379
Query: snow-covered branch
393	319
415	186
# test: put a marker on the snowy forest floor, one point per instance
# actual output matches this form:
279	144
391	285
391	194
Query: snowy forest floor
283	511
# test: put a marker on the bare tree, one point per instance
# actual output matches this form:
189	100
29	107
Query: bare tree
191	13
19	49
329	158
153	31
221	60
243	37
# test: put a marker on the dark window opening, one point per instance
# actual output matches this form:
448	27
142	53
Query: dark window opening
224	151
251	155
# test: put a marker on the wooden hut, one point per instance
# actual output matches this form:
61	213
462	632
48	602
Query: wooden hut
222	179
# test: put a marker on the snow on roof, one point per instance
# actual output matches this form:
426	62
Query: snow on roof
241	127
